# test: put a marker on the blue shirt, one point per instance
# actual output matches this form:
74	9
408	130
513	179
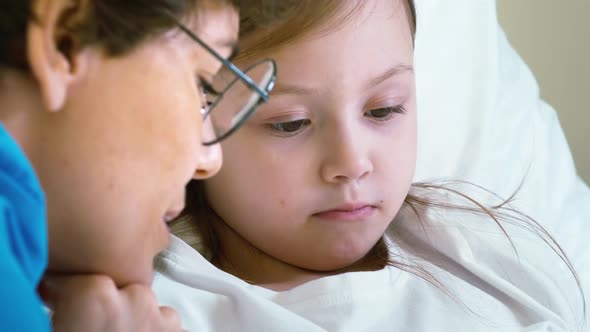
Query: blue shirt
23	241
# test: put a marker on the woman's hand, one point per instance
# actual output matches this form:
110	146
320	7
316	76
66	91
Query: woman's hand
94	303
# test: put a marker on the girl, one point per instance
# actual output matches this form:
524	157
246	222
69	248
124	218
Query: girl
89	92
314	223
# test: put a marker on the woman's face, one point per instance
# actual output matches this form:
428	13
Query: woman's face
115	160
316	176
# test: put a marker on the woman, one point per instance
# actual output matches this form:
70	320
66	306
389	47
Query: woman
105	101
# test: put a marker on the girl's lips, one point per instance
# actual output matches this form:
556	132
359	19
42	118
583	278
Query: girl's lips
347	214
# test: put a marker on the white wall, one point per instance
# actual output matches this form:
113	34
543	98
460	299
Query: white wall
553	37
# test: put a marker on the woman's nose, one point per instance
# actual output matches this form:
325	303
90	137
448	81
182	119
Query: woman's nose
210	158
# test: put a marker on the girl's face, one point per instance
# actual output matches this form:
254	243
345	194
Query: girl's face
317	175
115	160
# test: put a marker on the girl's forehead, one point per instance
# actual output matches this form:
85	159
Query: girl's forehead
367	43
312	20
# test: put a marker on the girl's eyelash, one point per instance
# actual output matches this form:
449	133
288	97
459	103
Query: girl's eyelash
400	109
288	128
389	112
294	127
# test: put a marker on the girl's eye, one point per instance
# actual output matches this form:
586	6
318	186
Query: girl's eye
289	127
385	113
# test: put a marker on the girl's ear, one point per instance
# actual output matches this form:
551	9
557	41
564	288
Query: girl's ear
53	49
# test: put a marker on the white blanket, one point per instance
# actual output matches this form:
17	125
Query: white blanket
491	289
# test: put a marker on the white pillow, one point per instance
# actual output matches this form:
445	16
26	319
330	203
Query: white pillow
481	120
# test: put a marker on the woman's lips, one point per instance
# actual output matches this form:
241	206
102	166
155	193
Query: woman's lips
171	215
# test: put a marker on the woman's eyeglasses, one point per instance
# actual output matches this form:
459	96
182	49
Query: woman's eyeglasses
233	96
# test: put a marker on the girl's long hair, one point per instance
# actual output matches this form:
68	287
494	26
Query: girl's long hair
267	25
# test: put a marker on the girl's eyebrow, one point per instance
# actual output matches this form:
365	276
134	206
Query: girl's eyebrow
396	70
287	89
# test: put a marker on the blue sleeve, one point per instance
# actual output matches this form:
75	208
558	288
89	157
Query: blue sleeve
21	308
23	241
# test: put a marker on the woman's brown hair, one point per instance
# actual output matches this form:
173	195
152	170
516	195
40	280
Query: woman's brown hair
117	26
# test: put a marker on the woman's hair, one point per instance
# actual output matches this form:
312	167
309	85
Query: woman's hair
267	25
118	26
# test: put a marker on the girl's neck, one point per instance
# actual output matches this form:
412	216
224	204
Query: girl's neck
240	258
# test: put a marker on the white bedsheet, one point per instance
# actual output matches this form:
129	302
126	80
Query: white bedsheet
481	119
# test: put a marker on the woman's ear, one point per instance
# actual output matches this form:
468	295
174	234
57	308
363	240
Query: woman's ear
52	49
